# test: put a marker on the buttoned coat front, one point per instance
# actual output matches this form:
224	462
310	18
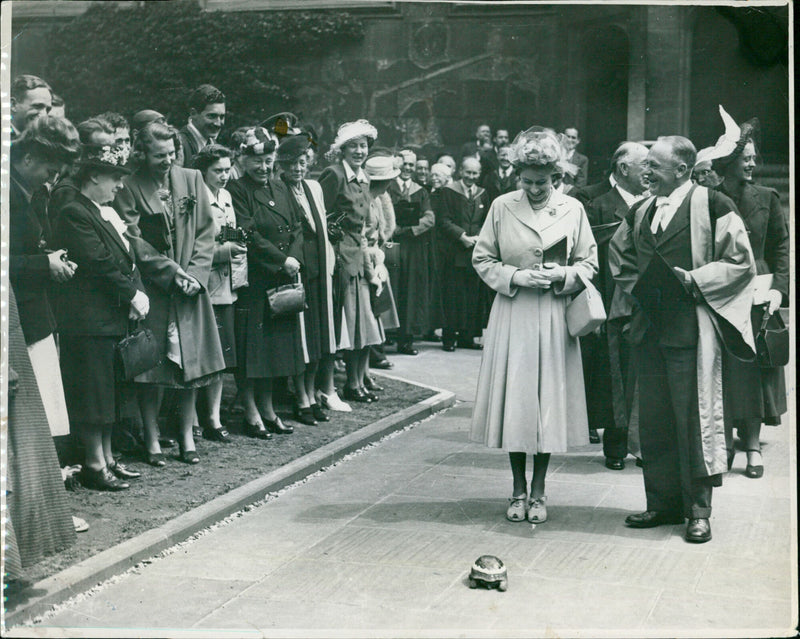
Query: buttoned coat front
530	394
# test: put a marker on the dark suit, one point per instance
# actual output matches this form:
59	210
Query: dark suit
495	184
267	347
29	266
466	298
582	162
189	146
585	194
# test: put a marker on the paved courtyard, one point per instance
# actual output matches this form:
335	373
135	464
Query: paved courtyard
381	544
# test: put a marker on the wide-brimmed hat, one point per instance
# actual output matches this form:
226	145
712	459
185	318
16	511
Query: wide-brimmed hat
257	141
292	147
281	124
107	157
536	145
731	143
381	167
352	130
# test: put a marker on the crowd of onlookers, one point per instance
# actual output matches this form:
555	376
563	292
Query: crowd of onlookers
188	253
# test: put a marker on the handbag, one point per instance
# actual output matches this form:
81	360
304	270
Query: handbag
138	352
391	252
772	342
380	303
285	300
585	312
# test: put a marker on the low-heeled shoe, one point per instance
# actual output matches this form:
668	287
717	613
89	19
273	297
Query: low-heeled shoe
189	456
698	531
256	430
653	518
407	349
615	463
319	414
278	427
594	436
155	459
217	435
122	472
197	432
355	395
167	442
102	480
370	385
305	415
383	364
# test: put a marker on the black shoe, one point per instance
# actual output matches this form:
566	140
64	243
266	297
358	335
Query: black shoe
122	472
278	427
101	480
615	463
754	471
189	456
256	430
305	415
431	337
370	385
155	459
594	437
698	531
217	435
383	364
197	432
319	414
470	345
167	442
448	347
653	518
639	462
407	349
355	395
372	396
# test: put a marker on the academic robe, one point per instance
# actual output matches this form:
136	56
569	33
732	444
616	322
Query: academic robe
709	235
159	259
530	395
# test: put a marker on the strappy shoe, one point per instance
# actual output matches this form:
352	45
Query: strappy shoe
517	508
537	510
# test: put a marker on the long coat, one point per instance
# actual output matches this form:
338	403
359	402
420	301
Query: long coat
418	304
148	229
752	392
268	347
719	258
530	387
465	299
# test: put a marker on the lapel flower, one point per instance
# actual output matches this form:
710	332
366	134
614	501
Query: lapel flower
186	204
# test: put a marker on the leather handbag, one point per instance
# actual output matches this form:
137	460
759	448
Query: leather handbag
772	342
138	352
285	300
585	312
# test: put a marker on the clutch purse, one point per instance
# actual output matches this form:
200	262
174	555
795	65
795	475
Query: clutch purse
380	303
391	252
772	342
585	312
137	353
289	299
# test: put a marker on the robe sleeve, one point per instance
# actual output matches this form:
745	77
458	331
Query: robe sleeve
583	257
486	255
622	257
428	219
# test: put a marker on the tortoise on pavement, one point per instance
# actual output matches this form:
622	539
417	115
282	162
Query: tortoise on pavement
488	571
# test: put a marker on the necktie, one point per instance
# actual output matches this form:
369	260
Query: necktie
658	225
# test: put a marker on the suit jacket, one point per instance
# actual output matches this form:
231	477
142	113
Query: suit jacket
29	266
496	185
760	209
189	146
460	215
97	299
582	162
586	194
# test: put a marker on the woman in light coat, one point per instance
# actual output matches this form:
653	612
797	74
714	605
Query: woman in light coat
533	250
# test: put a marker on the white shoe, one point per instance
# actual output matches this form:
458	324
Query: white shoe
332	402
537	510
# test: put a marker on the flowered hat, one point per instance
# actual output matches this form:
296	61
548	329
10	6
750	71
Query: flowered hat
538	146
110	158
257	141
352	130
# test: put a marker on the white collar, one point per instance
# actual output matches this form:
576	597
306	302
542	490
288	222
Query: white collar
353	176
677	196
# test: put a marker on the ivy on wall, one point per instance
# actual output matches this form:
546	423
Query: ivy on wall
150	55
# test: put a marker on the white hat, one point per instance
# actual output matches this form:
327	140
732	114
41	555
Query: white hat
381	167
726	144
352	130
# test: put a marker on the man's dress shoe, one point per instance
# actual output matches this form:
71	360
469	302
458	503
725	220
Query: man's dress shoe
615	463
383	364
448	348
653	518
698	531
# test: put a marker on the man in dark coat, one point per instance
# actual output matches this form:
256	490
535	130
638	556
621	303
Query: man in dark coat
502	179
206	119
606	356
466	298
684	255
31	97
578	163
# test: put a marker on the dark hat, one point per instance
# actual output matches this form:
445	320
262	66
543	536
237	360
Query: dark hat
311	132
292	147
106	157
144	117
281	124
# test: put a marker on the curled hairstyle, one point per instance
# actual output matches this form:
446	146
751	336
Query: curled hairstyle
48	138
204	95
209	155
149	133
24	83
115	120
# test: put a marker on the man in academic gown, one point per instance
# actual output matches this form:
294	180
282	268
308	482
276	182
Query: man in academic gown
687	234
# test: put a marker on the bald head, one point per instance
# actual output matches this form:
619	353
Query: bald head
628	165
470	171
